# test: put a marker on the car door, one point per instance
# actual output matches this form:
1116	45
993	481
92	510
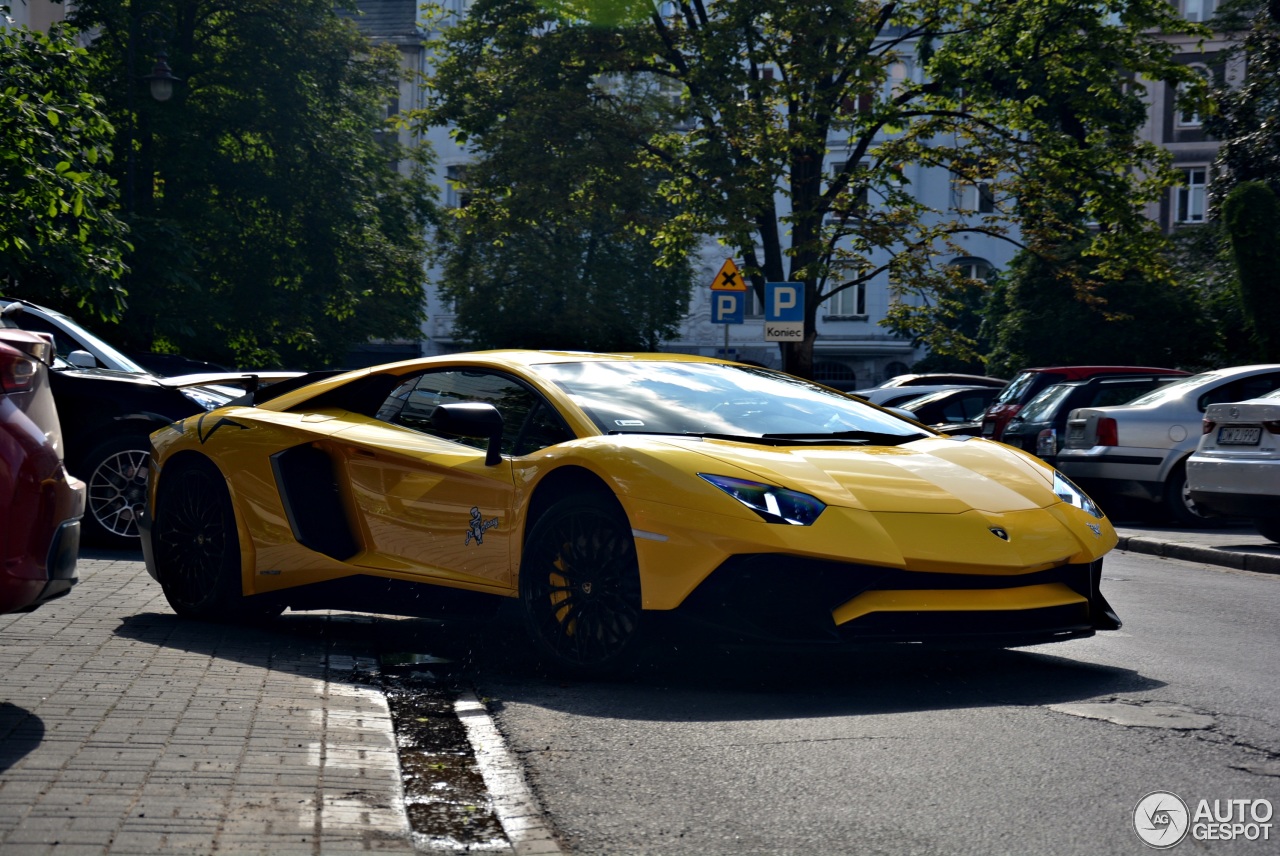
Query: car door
427	502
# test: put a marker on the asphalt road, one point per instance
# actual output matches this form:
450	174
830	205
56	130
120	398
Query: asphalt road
1041	750
125	730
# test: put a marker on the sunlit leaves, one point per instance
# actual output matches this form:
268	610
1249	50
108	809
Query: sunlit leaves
57	228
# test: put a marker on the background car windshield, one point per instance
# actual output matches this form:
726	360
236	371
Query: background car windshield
1016	388
63	344
712	398
1175	388
1045	403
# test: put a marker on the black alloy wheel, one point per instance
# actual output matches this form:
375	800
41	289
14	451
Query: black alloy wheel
196	549
580	587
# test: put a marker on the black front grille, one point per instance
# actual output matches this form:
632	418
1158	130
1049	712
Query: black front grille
789	598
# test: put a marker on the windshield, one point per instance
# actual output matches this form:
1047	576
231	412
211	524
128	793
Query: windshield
1045	403
1016	388
78	339
1175	388
714	399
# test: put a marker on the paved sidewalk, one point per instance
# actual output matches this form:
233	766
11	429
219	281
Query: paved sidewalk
1235	545
124	730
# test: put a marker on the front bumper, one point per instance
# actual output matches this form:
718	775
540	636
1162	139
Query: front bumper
769	598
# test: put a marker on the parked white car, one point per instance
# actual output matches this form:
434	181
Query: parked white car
1235	471
1140	449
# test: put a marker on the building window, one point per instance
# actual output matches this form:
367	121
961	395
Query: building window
829	372
973	268
1199	10
848	305
1191	195
456	193
1188	116
972	197
855	195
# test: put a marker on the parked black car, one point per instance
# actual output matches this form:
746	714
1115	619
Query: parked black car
1040	426
108	405
948	409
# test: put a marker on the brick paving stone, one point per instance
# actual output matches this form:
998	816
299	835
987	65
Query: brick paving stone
125	730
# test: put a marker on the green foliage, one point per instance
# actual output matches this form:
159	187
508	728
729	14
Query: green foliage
1251	213
1022	94
272	226
1043	320
1247	116
555	246
1201	260
59	237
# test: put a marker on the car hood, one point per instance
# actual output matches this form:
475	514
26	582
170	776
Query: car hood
932	475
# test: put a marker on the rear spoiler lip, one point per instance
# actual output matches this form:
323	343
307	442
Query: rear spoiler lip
291	381
249	380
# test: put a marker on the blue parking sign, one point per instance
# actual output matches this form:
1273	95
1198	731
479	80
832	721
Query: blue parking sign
783	311
727	307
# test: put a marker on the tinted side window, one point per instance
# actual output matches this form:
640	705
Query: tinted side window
529	423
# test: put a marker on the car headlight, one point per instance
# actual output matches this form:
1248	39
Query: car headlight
203	397
774	504
1072	495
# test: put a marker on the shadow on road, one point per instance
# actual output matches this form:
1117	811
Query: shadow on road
686	683
21	731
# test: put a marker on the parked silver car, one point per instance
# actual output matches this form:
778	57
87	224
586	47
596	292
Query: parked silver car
1235	471
1140	449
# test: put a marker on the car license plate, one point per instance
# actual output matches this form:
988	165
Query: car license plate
1075	432
1234	435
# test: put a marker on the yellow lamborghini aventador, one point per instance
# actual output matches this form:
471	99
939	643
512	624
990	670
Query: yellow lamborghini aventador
605	490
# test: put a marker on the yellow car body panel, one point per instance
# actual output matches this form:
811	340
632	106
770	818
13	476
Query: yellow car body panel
427	509
950	600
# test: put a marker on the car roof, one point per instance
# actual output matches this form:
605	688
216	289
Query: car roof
1085	372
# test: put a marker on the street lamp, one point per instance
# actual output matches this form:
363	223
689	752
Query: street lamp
161	78
161	81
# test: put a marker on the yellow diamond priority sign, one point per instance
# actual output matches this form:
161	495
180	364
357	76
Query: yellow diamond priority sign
729	278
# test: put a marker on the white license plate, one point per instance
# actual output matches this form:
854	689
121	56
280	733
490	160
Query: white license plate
1232	435
1075	432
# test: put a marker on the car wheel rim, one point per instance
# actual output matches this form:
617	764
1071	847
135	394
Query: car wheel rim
191	539
585	592
116	488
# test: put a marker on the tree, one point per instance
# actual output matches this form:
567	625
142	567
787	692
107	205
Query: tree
1130	320
271	223
58	231
1251	213
554	248
1246	117
802	117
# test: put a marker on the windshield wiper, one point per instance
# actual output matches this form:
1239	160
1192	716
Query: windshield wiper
855	438
877	438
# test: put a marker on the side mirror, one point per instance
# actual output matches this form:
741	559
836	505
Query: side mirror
82	360
472	419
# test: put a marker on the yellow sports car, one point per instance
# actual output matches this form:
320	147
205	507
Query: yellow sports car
605	491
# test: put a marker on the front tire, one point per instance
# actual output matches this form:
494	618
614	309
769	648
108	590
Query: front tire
580	587
196	548
1269	528
1178	502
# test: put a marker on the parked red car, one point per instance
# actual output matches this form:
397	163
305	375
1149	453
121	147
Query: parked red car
1029	382
40	503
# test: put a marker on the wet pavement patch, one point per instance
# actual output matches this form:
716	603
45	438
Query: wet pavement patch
445	795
